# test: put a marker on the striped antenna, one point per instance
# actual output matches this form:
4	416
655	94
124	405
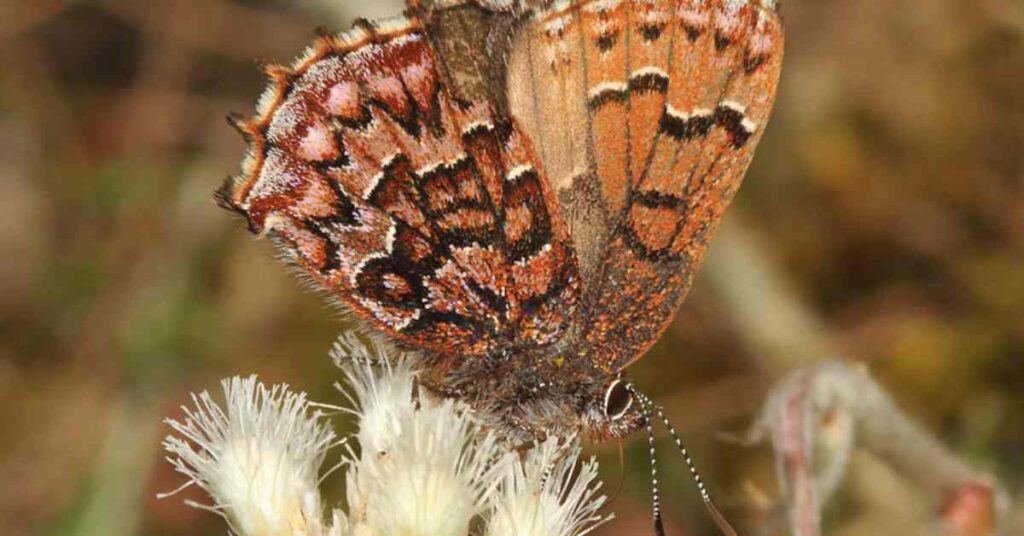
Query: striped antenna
650	409
659	528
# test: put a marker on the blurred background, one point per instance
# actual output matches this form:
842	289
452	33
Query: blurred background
882	221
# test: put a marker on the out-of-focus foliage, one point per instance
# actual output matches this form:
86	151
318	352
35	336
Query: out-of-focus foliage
888	191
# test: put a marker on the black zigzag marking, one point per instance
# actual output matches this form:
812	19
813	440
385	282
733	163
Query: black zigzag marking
430	318
559	283
412	120
396	179
639	82
606	96
415	274
358	123
651	199
655	199
637	246
417	186
685	128
345	214
698	126
731	120
370	282
342	160
445	176
649	81
526	190
477	130
332	259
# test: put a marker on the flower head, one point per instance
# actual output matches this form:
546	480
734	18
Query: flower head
259	457
548	494
425	466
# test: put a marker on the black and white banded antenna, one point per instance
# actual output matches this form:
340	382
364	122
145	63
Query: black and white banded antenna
659	528
650	410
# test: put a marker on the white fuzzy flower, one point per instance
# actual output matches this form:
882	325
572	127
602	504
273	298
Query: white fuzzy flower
548	494
258	458
425	466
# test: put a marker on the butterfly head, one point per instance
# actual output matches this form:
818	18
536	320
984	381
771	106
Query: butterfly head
613	411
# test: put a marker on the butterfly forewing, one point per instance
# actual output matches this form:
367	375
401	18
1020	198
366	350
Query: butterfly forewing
646	114
425	213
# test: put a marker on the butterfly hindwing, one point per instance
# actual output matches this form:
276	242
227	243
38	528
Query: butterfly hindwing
646	114
423	212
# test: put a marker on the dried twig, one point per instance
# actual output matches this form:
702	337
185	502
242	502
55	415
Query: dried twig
817	415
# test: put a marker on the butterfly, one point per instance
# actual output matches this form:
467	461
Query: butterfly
518	191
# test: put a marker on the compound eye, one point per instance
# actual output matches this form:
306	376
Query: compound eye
617	400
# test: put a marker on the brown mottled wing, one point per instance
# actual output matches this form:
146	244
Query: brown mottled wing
425	214
646	114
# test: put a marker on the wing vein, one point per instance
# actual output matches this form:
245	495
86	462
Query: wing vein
534	97
585	86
